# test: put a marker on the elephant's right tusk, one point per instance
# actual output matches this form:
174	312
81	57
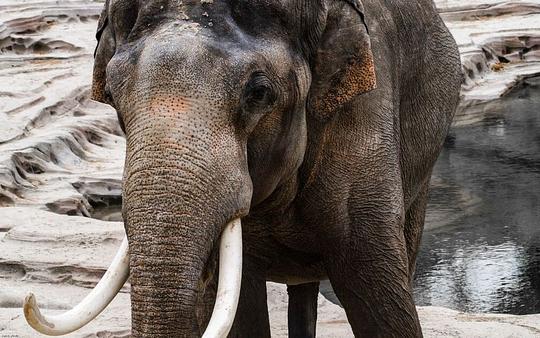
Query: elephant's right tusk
104	292
230	277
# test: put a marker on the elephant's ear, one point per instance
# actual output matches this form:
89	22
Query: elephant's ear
105	49
342	65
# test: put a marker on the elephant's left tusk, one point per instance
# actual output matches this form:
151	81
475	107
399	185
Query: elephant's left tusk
104	292
230	277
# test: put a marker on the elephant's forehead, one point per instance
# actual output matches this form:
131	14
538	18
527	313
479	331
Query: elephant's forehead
262	13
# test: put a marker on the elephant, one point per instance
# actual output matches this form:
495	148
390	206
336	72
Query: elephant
289	141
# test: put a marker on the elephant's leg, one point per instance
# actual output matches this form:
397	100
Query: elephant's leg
302	316
414	226
370	275
252	315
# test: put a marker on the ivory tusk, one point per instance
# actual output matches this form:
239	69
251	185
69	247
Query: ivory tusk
104	292
230	277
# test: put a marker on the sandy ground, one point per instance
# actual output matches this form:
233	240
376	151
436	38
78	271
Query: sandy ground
62	154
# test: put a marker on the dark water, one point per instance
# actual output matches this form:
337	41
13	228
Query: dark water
485	201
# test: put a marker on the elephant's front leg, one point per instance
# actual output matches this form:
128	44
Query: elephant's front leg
302	314
252	315
370	275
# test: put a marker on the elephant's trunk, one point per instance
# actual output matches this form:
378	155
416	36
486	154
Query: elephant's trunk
166	262
184	181
165	309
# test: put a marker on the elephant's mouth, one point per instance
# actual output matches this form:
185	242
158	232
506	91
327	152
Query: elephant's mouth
230	275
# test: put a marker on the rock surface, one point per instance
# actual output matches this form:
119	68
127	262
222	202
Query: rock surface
62	154
499	42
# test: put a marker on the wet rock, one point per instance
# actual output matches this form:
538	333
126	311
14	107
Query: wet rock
499	43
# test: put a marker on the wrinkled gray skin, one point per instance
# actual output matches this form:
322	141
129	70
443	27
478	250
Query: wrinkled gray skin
262	109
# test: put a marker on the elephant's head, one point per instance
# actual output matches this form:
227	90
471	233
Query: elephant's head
214	99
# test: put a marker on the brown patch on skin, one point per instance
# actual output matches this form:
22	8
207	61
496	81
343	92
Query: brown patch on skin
169	105
359	77
97	90
98	84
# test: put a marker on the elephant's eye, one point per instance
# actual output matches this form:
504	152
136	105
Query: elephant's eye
259	94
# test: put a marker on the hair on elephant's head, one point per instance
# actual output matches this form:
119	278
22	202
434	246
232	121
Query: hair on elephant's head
214	98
